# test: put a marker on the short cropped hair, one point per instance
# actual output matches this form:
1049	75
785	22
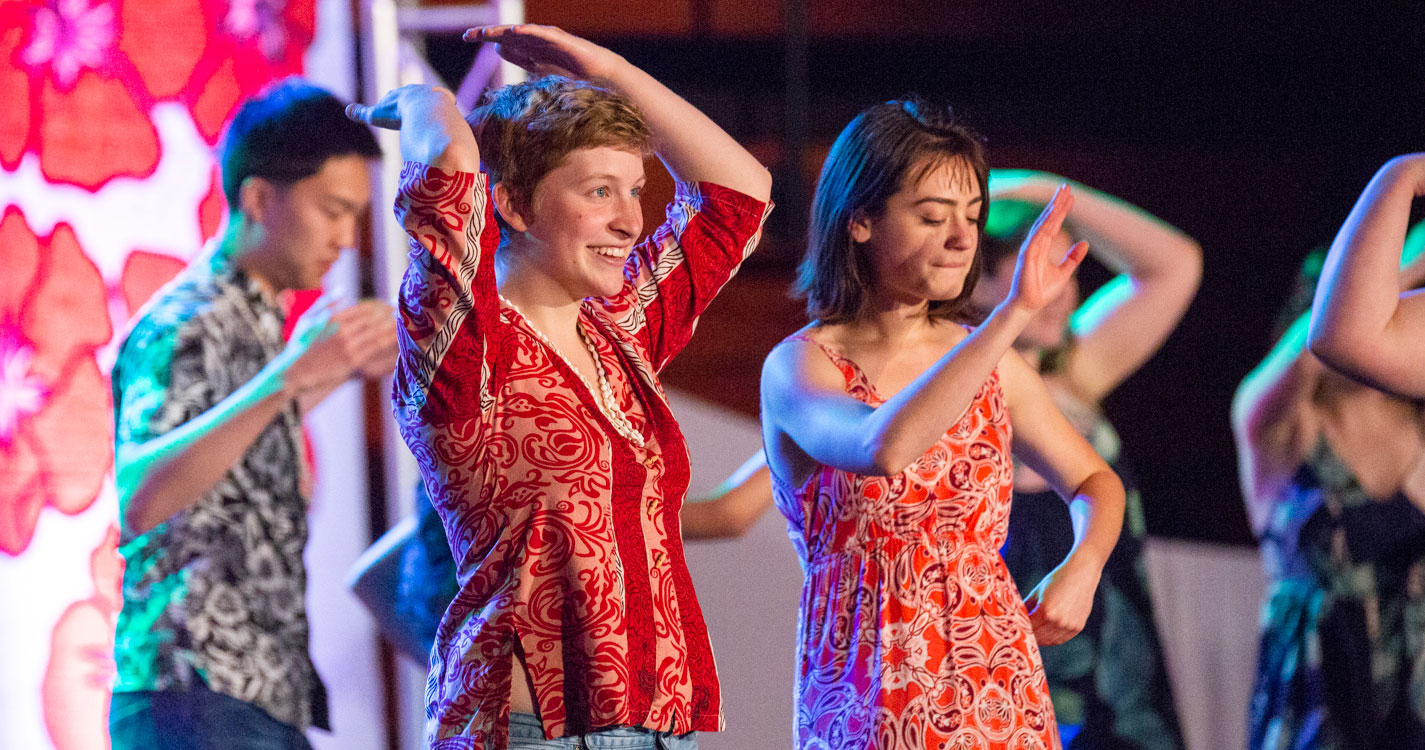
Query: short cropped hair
286	133
525	129
887	147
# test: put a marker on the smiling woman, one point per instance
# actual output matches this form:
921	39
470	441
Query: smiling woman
528	389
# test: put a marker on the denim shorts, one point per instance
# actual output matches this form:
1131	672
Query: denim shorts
526	733
196	719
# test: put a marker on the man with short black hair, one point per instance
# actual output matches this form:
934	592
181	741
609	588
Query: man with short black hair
212	644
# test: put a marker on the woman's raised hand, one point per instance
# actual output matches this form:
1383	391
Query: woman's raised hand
546	50
1038	276
399	104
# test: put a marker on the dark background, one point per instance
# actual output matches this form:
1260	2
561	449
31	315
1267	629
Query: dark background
1252	129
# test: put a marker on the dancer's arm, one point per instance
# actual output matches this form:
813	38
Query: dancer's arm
375	579
1127	320
731	509
1361	323
158	475
804	397
690	144
1273	422
1060	605
433	132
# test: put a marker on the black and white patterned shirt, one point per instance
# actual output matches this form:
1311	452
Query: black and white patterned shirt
217	592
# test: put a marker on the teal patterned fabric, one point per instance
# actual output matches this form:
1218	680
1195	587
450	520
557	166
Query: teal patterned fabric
1341	664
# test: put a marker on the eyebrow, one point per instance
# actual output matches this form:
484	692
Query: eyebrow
344	203
606	177
948	202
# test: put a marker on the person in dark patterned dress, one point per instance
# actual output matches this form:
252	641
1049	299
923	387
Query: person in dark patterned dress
1333	472
1110	684
211	649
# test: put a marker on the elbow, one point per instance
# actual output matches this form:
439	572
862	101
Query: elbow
139	506
760	186
135	517
886	457
1192	263
1331	345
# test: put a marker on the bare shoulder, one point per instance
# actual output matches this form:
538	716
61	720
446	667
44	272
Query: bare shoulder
798	360
1017	378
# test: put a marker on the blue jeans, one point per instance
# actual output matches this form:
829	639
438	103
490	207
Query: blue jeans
196	719
526	733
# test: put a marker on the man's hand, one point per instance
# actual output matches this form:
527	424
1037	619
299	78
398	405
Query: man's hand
328	348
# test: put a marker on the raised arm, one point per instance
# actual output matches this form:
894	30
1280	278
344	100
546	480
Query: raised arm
158	475
692	146
1272	420
731	509
804	401
1361	322
433	131
1126	321
1060	605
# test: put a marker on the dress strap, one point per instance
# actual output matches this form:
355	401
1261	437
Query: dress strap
857	384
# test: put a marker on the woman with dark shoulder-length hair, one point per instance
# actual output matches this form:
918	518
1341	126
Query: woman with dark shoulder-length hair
887	429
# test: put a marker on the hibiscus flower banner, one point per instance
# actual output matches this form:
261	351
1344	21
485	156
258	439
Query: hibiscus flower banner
109	112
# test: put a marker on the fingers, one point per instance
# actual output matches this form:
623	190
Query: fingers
486	33
380	116
1053	215
1074	257
541	50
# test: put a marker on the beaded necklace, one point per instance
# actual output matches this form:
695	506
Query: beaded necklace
604	395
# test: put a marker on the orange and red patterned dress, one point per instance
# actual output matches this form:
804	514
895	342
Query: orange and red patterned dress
912	633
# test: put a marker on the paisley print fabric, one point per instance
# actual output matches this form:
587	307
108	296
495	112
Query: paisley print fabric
217	592
565	535
912	634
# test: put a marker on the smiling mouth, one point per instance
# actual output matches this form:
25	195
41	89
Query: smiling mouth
612	253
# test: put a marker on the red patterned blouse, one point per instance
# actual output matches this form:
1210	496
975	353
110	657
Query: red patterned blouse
565	533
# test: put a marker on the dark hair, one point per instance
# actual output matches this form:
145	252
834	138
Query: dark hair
525	129
286	133
884	149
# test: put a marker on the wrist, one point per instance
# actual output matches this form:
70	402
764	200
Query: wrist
610	70
1405	171
1014	313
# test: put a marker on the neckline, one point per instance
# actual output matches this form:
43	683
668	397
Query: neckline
623	426
836	356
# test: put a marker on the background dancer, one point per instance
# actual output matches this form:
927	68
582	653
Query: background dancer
213	486
1110	683
1334	476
